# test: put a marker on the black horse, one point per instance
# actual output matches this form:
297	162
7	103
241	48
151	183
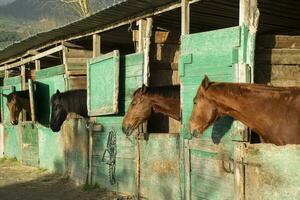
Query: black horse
73	101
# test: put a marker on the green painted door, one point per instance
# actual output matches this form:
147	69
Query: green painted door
51	145
12	134
30	145
103	84
208	173
131	78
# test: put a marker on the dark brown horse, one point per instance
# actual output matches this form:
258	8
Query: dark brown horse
272	112
73	101
16	101
146	100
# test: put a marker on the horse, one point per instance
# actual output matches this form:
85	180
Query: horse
16	102
163	100
272	112
73	101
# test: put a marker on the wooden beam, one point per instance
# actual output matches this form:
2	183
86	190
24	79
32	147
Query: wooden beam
33	58
185	17
141	35
96	45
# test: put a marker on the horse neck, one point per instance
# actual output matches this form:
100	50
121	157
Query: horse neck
166	105
24	104
240	104
73	103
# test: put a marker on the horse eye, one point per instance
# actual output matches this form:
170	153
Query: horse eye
133	103
194	102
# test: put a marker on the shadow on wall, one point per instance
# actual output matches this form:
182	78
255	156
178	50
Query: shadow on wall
220	128
42	100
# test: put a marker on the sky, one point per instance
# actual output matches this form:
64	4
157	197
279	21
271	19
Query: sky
3	2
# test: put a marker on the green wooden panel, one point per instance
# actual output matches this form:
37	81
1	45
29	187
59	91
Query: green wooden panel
49	72
16	80
76	149
160	172
45	88
13	142
125	158
272	172
30	145
103	84
51	150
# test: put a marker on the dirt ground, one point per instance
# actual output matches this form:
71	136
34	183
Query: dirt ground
19	182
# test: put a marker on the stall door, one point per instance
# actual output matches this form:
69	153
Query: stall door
51	145
115	155
103	84
12	133
208	160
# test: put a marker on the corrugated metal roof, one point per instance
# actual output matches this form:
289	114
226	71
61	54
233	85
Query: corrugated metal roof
120	10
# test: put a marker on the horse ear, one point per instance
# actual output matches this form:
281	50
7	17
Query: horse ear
57	92
205	82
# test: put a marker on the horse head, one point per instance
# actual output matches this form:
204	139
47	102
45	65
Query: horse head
204	111
58	112
138	112
14	107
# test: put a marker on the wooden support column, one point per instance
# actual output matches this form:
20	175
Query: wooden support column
96	45
6	73
37	65
23	77
248	17
185	17
142	29
64	58
187	167
147	43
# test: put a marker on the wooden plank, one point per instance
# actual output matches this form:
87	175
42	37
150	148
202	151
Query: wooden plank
187	167
278	56
279	41
51	71
78	53
142	29
239	172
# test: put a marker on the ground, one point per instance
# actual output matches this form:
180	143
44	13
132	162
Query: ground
19	182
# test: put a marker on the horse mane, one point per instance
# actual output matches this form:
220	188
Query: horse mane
242	87
73	100
165	91
24	94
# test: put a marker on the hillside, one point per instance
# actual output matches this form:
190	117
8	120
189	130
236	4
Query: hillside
23	18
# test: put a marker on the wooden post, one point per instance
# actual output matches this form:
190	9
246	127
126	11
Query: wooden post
239	172
142	29
187	167
37	65
31	100
96	45
147	39
23	87
65	62
6	73
185	17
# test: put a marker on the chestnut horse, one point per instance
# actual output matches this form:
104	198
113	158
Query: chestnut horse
16	101
272	112
73	101
163	100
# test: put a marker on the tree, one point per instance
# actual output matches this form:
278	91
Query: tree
79	6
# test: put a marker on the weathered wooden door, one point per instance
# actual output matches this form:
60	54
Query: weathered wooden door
103	83
51	145
121	176
208	169
12	134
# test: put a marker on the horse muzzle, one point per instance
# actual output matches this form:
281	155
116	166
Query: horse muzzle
127	130
15	122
